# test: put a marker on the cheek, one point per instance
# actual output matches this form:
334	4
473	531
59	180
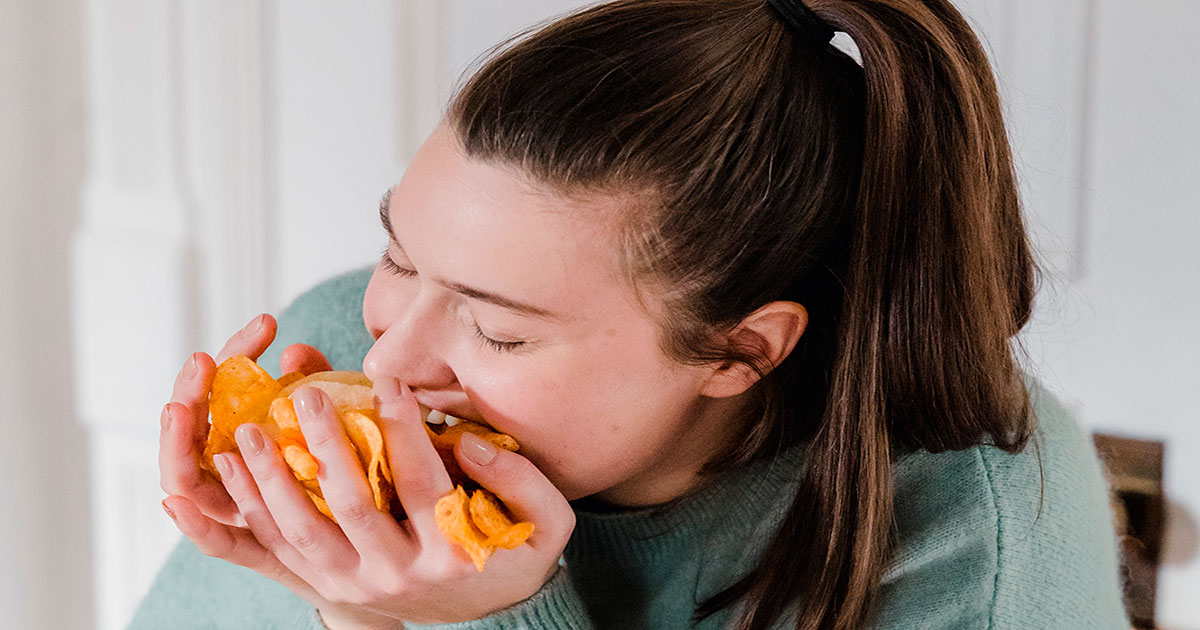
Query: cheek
586	423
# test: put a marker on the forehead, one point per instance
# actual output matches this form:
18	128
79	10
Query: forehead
487	226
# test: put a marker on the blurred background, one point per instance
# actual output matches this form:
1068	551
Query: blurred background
169	169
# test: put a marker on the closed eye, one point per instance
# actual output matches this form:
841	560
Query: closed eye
394	269
495	344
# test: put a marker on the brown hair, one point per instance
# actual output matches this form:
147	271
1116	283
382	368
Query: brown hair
880	197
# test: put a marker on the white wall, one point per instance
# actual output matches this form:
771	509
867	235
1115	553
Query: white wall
45	517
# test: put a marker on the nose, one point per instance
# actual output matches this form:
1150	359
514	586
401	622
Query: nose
411	348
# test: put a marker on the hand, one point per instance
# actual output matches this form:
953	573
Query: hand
199	504
371	570
185	418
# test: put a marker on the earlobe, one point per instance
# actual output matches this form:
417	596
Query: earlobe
771	332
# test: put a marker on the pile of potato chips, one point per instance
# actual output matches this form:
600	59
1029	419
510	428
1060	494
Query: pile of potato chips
243	392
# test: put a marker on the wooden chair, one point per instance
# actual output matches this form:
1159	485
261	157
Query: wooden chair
1135	472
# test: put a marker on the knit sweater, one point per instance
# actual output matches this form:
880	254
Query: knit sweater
982	544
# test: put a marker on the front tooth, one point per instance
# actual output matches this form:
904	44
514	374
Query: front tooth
436	417
451	420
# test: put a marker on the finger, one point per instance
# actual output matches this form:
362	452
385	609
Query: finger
251	340
340	474
233	544
182	438
191	390
418	473
525	491
241	486
308	531
303	358
179	469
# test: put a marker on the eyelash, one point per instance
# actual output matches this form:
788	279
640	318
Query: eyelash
498	346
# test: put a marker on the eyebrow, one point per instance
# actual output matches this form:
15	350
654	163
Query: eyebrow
479	294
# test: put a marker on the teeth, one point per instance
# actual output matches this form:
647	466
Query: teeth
436	417
451	420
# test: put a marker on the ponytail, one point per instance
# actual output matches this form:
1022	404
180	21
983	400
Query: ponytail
940	277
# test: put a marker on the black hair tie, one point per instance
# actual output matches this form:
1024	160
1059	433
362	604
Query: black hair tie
803	21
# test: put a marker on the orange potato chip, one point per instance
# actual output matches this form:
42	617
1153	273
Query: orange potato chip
489	517
289	378
452	517
243	392
362	427
302	463
444	443
283	413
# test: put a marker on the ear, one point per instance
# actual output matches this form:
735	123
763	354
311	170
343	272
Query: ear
771	332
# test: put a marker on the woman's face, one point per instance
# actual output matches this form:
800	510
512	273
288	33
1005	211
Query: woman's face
500	303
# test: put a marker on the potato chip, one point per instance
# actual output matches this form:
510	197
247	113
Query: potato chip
362	427
289	378
489	517
452	517
283	413
243	392
302	463
347	390
444	443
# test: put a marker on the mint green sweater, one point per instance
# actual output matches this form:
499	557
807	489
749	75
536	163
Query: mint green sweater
973	551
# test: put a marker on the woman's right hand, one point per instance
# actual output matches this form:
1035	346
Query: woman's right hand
185	418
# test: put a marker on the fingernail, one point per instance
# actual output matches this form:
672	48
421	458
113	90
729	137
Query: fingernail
253	325
223	466
258	323
190	368
310	401
252	438
477	449
167	509
387	389
166	417
388	392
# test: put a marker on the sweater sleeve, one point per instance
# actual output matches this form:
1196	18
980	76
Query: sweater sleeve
195	592
1002	541
557	606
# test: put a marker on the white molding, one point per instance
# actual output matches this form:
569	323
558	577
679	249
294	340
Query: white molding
136	534
173	252
223	91
422	82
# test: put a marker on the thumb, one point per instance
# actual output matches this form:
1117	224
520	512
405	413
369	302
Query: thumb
523	489
303	358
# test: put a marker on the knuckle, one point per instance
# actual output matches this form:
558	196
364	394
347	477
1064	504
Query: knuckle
303	538
420	481
390	579
265	473
320	438
354	512
213	548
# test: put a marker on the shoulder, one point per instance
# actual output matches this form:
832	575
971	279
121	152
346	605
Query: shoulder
194	591
997	540
328	316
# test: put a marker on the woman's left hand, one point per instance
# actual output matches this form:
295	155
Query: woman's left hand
368	564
